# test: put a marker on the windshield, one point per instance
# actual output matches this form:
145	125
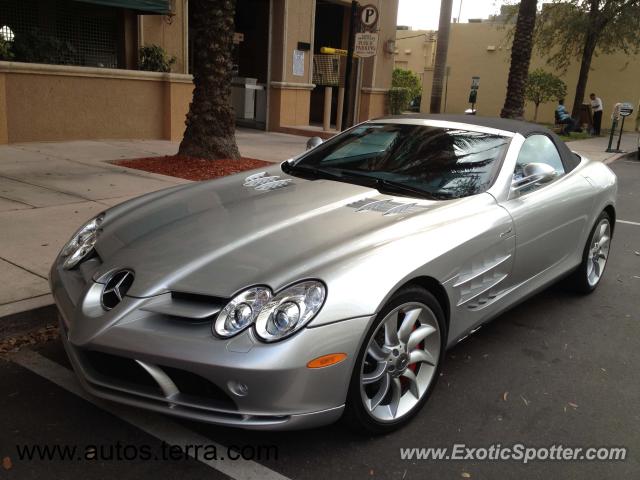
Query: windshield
427	161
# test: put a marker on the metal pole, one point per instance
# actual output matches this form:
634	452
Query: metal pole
446	87
620	136
614	124
347	71
459	11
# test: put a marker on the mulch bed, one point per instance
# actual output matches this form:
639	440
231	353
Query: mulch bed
192	168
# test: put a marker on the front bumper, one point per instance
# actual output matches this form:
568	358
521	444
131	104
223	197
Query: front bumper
113	352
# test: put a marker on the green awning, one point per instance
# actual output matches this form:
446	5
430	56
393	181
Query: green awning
150	6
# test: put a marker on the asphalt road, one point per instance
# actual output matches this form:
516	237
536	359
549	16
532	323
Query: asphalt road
558	369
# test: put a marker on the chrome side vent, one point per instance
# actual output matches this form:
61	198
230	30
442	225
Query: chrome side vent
263	182
386	207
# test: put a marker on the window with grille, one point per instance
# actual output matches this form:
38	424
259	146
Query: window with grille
63	32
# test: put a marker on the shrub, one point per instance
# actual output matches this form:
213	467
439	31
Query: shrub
407	79
153	58
34	46
5	50
405	86
543	86
399	98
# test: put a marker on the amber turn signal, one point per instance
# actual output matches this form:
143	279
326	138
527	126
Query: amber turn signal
326	360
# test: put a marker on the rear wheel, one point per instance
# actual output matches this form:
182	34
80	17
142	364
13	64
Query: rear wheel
587	276
398	363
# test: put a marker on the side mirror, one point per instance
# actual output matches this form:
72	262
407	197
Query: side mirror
313	142
533	173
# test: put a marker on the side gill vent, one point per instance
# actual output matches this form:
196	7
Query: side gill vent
386	207
263	182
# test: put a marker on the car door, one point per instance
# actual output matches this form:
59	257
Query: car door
549	218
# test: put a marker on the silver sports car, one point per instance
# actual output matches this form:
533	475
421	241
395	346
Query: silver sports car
329	285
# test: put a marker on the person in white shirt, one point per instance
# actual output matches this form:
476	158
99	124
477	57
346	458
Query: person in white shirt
596	106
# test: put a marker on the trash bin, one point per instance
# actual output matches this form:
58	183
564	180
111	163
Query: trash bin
243	97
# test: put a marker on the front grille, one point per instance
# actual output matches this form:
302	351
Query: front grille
126	372
121	369
196	386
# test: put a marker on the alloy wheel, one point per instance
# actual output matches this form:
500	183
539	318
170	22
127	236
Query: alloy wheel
598	252
400	361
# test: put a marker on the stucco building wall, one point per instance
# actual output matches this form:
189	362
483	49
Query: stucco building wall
481	49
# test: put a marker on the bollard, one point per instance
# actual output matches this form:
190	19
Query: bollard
339	109
326	118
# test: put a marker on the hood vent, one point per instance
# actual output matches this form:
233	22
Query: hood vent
386	207
263	182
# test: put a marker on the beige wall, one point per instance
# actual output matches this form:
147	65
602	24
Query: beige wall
614	78
293	22
4	128
377	70
48	102
169	32
415	50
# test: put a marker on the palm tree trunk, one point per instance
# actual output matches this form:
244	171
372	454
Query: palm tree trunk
520	59
210	131
442	46
590	41
583	76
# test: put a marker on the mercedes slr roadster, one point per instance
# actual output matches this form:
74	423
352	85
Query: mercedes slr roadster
330	285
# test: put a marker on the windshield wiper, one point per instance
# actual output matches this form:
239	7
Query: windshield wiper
312	172
389	186
383	185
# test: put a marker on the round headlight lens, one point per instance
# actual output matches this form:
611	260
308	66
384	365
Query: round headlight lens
82	242
241	311
286	316
290	310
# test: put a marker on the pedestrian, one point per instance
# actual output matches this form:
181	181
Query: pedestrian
597	107
563	118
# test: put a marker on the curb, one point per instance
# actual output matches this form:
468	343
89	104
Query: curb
622	156
23	322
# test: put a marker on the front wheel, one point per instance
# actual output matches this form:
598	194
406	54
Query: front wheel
398	364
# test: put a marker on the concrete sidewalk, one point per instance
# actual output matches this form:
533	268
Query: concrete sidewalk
47	190
595	147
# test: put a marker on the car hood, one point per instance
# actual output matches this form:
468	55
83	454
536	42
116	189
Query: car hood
217	237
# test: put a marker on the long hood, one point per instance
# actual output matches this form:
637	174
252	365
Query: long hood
217	237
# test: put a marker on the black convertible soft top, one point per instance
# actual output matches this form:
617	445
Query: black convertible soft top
569	159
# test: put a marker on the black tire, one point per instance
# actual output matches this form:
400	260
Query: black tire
578	280
356	416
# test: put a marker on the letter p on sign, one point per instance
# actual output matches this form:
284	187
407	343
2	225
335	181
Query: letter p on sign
369	16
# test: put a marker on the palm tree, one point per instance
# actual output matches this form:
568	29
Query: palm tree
520	58
210	131
442	46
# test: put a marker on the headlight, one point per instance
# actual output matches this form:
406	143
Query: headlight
82	242
241	311
290	310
